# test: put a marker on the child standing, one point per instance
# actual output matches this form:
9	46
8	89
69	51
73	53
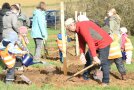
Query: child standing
23	40
59	43
21	45
126	45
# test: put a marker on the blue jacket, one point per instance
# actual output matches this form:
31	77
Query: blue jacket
39	26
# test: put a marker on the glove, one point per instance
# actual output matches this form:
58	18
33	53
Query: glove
82	58
97	60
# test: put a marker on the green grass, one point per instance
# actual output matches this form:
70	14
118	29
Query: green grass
89	87
132	40
51	87
25	87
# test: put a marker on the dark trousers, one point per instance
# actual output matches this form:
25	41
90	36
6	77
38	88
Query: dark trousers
10	74
61	56
105	63
119	64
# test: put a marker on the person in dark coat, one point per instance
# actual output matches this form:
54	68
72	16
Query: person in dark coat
5	8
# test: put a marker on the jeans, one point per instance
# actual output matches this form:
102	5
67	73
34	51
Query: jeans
10	74
38	47
61	56
119	65
105	63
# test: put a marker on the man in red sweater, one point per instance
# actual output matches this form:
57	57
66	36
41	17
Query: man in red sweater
96	39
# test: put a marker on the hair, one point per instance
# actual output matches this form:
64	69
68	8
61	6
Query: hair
17	8
18	4
6	6
39	5
113	10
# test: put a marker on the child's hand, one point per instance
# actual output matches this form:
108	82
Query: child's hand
24	52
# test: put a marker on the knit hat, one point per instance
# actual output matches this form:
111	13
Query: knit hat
59	36
23	30
123	29
82	18
69	21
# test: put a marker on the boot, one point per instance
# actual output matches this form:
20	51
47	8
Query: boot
86	76
104	84
9	81
123	77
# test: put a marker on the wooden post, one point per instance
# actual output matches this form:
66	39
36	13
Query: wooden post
76	37
63	38
84	13
80	13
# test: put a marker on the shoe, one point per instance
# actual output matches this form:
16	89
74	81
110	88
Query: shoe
36	59
85	76
123	77
9	82
104	84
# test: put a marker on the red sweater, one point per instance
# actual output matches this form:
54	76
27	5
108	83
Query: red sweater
96	38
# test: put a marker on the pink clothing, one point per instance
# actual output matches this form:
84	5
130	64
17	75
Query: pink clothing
23	30
123	40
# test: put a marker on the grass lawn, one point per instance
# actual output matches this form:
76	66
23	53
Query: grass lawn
130	68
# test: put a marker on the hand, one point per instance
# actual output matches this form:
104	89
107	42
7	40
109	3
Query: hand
24	52
82	58
97	60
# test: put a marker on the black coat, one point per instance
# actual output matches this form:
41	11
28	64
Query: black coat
2	13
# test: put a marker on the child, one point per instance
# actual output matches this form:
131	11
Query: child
21	45
8	53
59	43
126	45
23	40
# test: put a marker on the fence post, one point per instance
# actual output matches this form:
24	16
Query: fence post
84	13
76	37
63	38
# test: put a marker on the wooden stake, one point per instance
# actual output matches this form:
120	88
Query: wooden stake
63	38
76	37
84	13
80	13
